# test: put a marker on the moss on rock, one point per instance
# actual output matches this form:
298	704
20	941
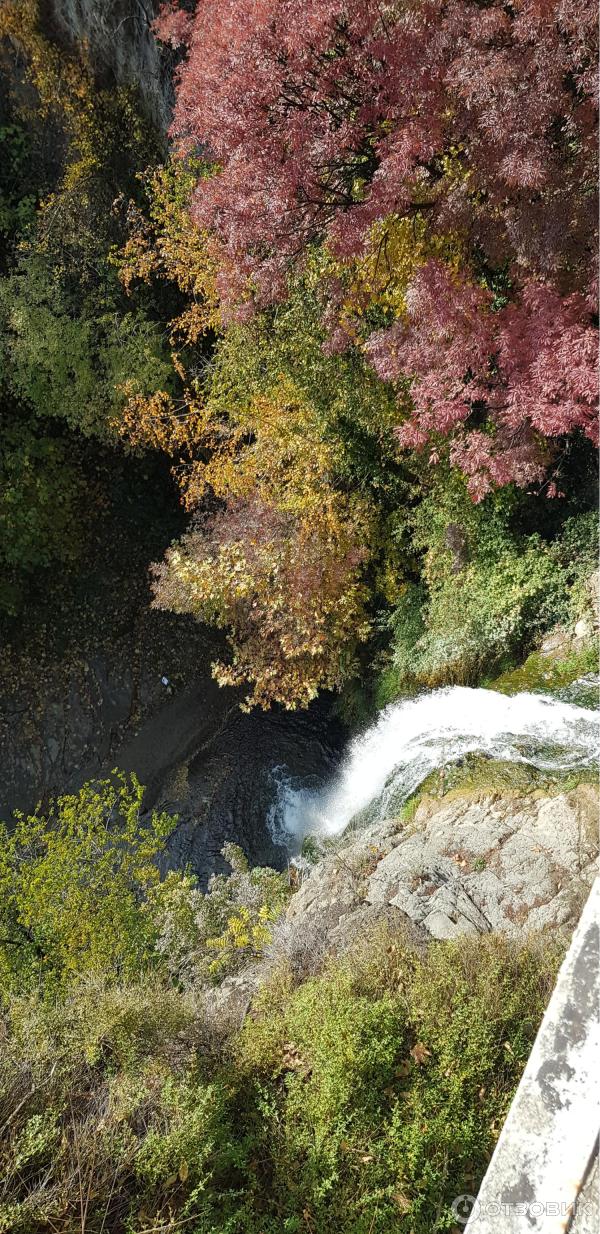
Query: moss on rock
477	776
546	672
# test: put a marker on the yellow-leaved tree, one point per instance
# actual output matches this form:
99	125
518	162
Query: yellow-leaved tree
280	563
280	540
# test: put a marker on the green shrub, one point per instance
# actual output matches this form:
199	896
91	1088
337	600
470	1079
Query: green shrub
68	336
207	936
72	883
311	849
80	893
107	1109
577	546
67	352
407	627
18	191
385	1081
576	551
488	592
489	611
362	1101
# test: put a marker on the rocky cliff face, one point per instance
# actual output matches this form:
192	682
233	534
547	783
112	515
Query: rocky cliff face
469	863
466	865
119	36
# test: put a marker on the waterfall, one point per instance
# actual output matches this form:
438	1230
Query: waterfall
385	764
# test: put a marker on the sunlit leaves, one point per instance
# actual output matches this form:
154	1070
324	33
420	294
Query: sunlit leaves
451	137
72	883
163	244
287	589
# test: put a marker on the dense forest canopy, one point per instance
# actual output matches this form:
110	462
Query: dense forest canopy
337	124
420	179
354	305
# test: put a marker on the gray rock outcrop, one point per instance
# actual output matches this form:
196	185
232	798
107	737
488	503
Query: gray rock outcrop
466	864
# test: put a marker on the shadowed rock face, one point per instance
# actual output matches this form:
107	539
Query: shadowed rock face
225	791
72	714
122	46
82	691
198	755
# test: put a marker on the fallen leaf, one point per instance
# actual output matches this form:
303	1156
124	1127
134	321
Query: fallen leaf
420	1052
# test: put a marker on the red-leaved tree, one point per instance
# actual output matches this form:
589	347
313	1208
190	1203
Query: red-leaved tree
528	372
324	117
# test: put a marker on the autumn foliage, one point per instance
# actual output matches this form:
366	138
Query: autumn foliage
475	119
530	367
279	565
412	187
287	591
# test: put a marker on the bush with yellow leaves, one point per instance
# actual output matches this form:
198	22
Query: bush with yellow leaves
205	936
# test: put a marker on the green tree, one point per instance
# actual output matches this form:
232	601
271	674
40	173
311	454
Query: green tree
69	337
68	351
41	489
73	883
17	191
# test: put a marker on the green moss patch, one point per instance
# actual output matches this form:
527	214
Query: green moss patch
542	672
477	776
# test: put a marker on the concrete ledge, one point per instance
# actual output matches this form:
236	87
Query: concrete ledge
547	1146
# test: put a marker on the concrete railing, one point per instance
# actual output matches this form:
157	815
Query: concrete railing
543	1176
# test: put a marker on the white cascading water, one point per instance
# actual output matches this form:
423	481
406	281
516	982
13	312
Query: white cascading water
387	763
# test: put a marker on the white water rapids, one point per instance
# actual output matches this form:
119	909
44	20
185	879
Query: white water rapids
410	739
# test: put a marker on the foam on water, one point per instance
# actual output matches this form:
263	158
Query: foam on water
410	739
